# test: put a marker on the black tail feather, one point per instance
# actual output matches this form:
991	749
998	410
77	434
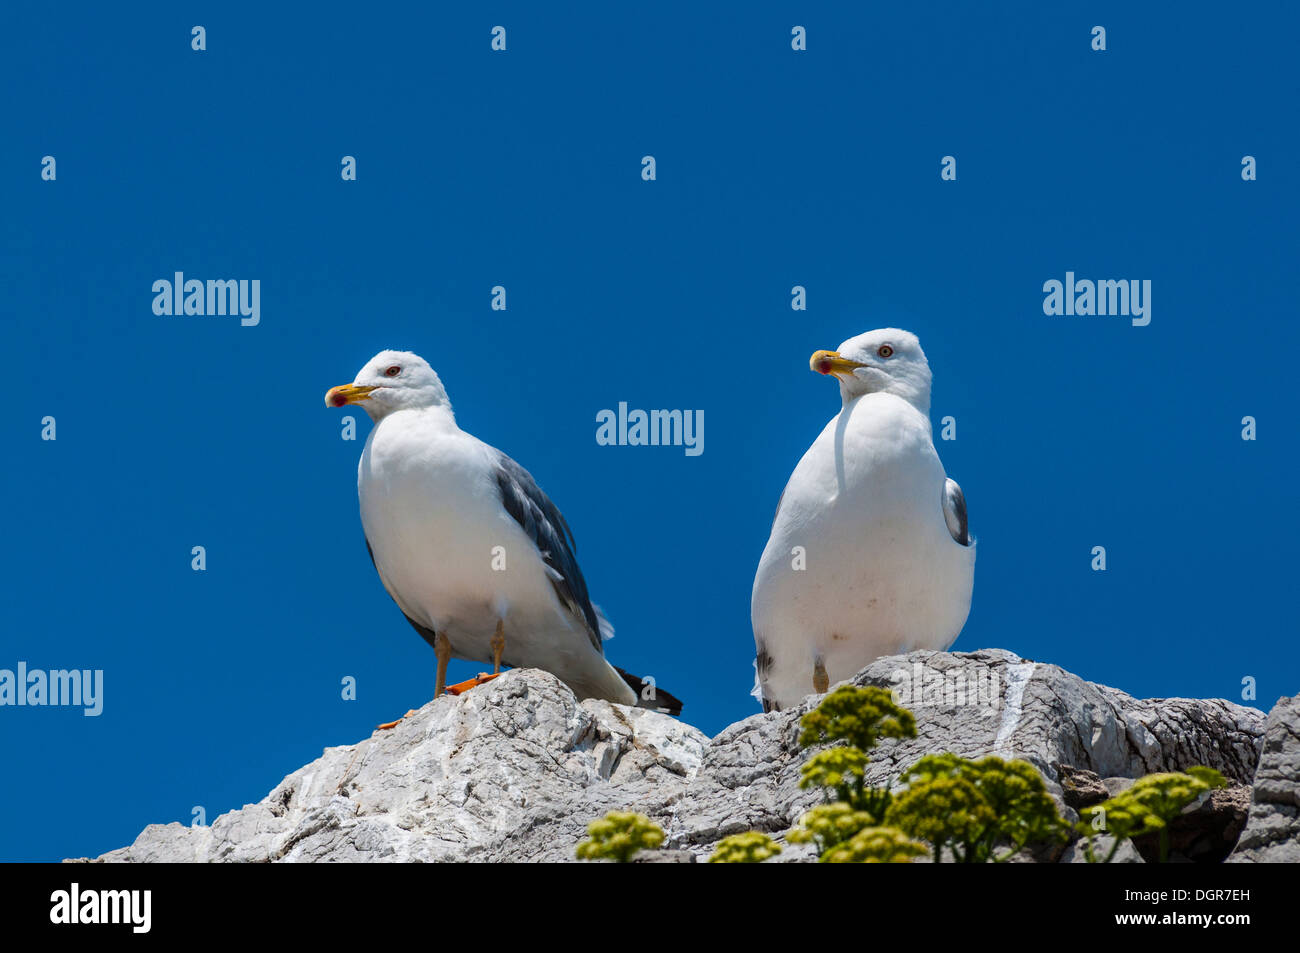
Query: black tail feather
650	695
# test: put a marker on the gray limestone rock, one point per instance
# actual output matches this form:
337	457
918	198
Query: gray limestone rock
515	769
1272	833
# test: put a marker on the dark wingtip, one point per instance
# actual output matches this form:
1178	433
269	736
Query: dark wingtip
662	701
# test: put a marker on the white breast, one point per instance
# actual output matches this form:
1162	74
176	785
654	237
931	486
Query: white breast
863	510
455	560
431	511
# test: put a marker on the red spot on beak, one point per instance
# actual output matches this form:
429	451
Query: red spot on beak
338	400
824	366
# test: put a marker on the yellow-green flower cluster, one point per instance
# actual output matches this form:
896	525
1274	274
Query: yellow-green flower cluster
858	716
750	847
974	807
618	836
1147	807
875	845
829	825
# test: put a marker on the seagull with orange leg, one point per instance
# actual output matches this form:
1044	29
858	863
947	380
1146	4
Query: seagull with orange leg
477	557
870	553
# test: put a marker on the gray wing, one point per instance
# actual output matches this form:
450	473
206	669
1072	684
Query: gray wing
954	512
542	521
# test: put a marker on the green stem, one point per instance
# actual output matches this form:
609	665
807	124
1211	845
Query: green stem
1113	847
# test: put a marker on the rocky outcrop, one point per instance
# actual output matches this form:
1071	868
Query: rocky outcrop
988	702
1205	832
514	770
1272	833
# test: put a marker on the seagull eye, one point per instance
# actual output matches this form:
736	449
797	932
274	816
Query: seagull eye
393	371
885	350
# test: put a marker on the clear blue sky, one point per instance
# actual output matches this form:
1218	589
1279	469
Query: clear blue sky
522	169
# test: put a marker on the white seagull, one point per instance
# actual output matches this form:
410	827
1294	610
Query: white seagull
475	555
870	553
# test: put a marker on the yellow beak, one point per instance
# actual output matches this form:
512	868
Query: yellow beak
347	394
830	362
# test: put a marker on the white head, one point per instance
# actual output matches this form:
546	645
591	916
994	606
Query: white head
391	381
884	361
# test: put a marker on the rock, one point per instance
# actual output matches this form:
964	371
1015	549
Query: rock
664	857
1205	832
1080	789
974	704
1126	853
1272	833
1116	786
515	769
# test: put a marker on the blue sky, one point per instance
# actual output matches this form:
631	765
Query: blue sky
522	169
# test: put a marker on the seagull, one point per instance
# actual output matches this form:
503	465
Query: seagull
477	557
870	553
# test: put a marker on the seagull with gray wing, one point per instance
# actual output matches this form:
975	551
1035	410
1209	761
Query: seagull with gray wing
870	553
476	556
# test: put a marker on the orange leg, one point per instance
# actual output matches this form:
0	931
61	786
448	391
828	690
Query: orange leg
442	649
821	681
498	644
393	724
